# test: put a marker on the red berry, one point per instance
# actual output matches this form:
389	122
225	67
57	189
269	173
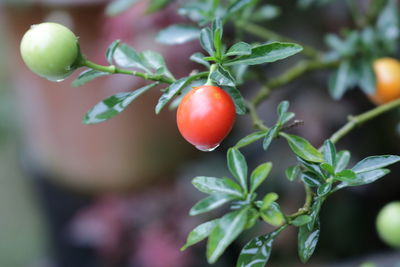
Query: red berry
205	116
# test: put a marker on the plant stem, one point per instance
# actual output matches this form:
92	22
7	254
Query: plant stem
271	35
257	122
293	73
306	206
213	67
354	121
114	69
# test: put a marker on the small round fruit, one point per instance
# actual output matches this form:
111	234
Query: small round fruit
205	116
50	50
388	224
387	71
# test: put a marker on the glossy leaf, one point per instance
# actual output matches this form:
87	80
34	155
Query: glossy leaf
375	162
198	58
200	233
267	53
307	241
346	176
312	167
363	178
206	41
367	80
302	148
286	117
271	134
273	215
315	209
292	172
238	166
237	98
171	91
127	57
227	230
327	167
257	251
239	49
178	34
118	6
282	108
268	199
259	175
156	62
87	76
324	189
342	160
388	21
210	203
329	151
251	138
113	105
221	76
211	185
310	179
110	51
236	6
301	220
217	30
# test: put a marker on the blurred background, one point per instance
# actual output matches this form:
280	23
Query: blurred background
118	193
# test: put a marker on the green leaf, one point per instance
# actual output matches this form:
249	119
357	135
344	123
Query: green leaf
211	185
282	108
301	220
222	76
310	179
251	138
178	34
302	148
239	49
110	51
198	58
367	177
345	176
339	80
87	76
118	6
217	30
227	230
342	160
171	91
127	57
307	241
259	175
267	53
206	41
156	61
257	252
252	217
329	151
199	233
273	215
238	166
210	203
315	209
292	172
312	167
375	162
271	134
324	189
237	98
327	167
113	105
268	199
388	22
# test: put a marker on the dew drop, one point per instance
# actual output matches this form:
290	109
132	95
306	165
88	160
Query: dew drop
207	148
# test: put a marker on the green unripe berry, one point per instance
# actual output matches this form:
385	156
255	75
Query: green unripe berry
388	224
50	50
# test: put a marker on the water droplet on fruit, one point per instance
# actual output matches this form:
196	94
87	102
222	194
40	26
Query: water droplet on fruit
55	80
207	148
